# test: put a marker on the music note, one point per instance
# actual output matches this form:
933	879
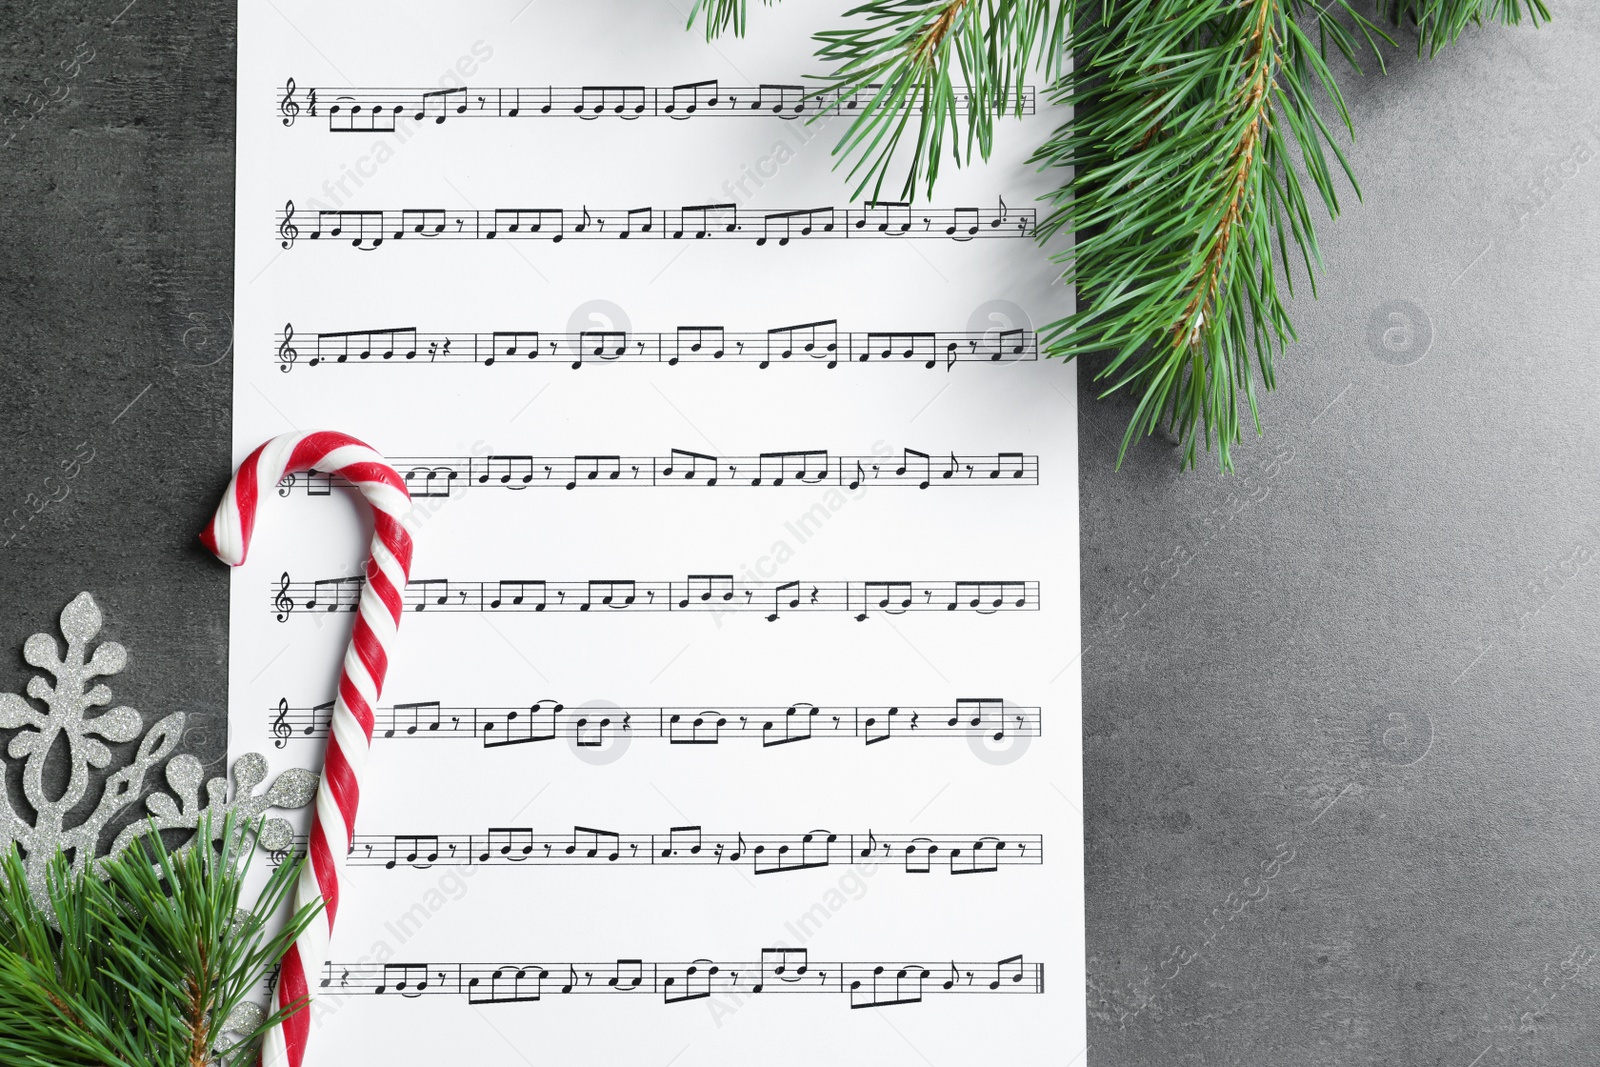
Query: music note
1009	464
964	223
509	985
891	597
417	850
698	463
981	715
439	104
363	228
694	982
509	342
589	731
919	465
981	857
407	979
989	597
887	985
514	844
607	345
707	589
330	594
627	101
917	346
551	221
695	730
816	340
787	101
628	975
684	841
886	217
413	712
785	965
795	724
699	222
785	226
422	482
807	467
430	590
516	592
540	720
611	594
686	99
592	843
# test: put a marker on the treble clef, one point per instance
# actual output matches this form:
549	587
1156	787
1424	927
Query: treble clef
286	353
288	106
281	731
281	603
287	229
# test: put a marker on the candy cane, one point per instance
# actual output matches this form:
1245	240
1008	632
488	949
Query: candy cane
366	661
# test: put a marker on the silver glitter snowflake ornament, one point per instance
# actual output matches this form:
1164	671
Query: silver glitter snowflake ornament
70	718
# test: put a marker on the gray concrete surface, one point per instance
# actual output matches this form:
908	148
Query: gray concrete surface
1340	709
116	290
1341	803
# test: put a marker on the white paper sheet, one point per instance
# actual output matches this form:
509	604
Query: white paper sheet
665	714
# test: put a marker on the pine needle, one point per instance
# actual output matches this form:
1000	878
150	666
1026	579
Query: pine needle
143	964
1196	124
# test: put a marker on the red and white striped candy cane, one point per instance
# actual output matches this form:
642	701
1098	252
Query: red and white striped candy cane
366	661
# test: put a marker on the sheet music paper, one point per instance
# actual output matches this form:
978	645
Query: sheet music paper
740	657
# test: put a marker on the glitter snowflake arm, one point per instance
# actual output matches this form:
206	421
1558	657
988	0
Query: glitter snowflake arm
293	788
68	714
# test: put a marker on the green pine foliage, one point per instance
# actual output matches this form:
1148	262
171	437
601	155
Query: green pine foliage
1191	121
722	16
920	54
1201	147
142	966
1440	22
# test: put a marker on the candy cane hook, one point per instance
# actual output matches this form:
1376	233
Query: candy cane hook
366	662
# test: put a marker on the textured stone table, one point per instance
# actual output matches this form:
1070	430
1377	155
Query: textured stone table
1340	708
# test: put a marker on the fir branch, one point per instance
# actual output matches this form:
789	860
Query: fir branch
912	58
1195	124
1184	182
144	964
1441	22
722	15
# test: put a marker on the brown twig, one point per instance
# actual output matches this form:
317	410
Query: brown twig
1258	81
936	31
199	1046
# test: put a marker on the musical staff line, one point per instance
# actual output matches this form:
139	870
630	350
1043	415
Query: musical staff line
445	476
379	110
692	846
779	970
698	592
370	229
809	343
989	718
